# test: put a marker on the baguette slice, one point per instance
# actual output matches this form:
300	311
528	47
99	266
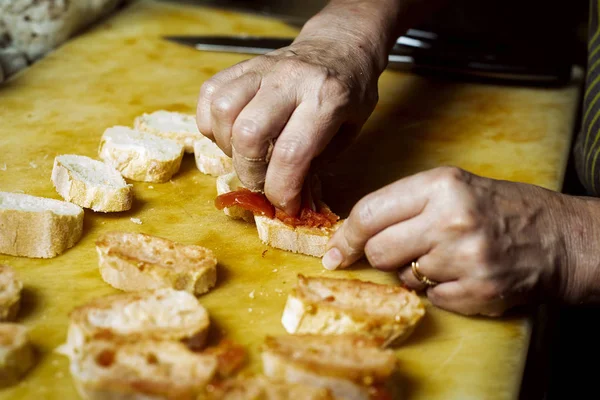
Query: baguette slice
228	183
210	159
10	293
145	369
171	125
262	388
329	306
164	314
135	261
140	156
91	184
38	227
304	240
16	353
352	368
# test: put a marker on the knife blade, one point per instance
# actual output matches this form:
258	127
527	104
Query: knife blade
421	56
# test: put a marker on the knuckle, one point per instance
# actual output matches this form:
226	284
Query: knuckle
291	152
222	106
488	290
247	132
449	179
208	88
465	220
364	214
476	251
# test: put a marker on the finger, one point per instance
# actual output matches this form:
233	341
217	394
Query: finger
437	265
208	89
305	135
399	244
228	103
468	297
390	205
255	130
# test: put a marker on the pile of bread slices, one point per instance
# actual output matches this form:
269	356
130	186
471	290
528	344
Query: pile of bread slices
151	341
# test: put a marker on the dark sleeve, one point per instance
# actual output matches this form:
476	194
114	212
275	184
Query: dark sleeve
587	145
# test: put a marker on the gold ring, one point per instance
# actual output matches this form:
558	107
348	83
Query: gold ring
420	277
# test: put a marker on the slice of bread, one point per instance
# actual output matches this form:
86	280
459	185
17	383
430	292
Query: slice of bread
262	388
228	183
329	306
145	369
300	239
91	184
38	227
171	125
140	156
353	368
164	314
135	261
16	353
210	159
10	293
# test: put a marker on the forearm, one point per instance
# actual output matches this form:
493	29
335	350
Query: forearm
372	26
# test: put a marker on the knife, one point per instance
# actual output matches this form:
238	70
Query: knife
422	55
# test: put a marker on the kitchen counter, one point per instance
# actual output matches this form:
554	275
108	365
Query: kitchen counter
123	68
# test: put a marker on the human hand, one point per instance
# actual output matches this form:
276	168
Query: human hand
488	244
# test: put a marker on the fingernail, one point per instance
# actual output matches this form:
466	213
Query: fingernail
332	259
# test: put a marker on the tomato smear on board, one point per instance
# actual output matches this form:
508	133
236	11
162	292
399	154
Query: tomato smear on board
258	203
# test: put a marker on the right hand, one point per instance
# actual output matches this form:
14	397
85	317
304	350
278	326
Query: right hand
275	113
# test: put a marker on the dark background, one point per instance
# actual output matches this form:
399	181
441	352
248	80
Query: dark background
566	341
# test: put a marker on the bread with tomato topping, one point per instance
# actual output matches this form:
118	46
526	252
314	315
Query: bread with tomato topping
229	183
10	293
145	369
140	156
164	314
353	368
263	388
330	306
135	261
16	353
307	240
171	125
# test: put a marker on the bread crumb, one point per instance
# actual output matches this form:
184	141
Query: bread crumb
45	157
251	295
33	165
275	270
150	187
278	291
3	168
249	310
136	221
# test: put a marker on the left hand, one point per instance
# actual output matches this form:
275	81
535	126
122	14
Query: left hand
489	244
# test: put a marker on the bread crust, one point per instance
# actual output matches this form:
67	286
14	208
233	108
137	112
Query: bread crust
164	314
134	162
135	261
330	306
146	369
10	294
16	353
86	194
38	234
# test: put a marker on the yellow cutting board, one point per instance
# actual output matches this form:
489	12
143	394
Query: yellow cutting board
122	68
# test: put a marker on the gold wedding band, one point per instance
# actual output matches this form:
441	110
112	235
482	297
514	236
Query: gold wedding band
420	277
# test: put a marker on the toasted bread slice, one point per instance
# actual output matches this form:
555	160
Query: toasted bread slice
38	227
10	293
134	262
262	388
91	184
300	239
353	368
16	353
171	125
164	314
210	159
228	183
145	369
140	156
329	306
